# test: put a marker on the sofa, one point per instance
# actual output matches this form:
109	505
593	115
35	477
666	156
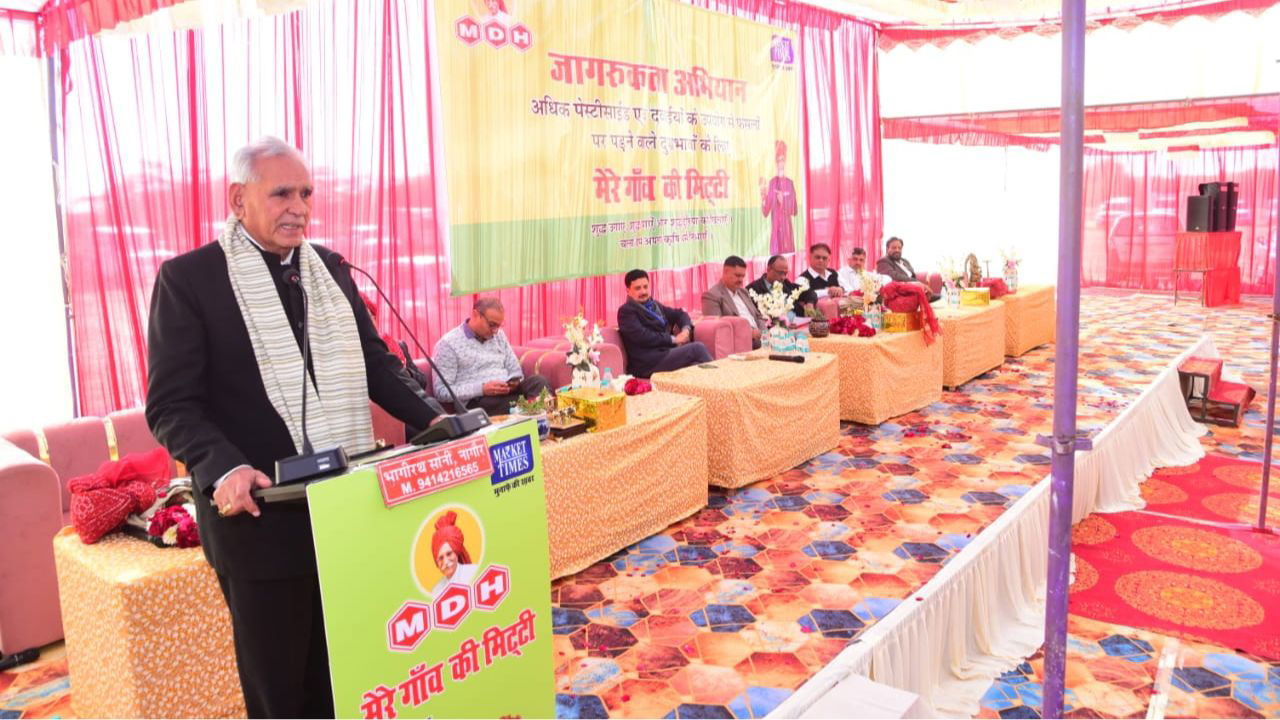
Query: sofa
35	467
723	336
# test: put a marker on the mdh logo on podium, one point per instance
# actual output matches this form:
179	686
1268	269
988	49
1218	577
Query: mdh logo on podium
415	620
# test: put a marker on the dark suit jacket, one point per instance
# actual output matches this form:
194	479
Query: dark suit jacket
808	296
646	338
830	280
207	405
885	266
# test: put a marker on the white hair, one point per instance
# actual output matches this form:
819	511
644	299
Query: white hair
244	164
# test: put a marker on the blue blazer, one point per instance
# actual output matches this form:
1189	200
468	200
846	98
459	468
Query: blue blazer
646	338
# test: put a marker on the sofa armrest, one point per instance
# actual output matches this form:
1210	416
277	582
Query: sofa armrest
30	515
611	357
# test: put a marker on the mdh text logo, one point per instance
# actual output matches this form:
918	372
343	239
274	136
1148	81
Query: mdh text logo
414	620
493	32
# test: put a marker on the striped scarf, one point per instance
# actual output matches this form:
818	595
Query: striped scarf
338	399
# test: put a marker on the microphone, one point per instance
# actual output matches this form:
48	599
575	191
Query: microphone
308	463
465	421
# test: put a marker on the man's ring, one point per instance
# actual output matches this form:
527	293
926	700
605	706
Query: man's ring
224	509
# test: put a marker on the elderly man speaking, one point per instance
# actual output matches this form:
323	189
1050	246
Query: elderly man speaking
224	396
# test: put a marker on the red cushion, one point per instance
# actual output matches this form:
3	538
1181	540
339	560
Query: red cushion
1231	393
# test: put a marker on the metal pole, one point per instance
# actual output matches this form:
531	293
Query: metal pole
55	96
1270	427
1066	356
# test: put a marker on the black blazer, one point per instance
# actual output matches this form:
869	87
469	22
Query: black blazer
645	338
809	297
207	405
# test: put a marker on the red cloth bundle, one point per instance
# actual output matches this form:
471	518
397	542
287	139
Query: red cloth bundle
912	298
998	288
637	386
100	502
852	325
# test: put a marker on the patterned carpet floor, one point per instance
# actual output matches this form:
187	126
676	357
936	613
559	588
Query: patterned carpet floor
726	613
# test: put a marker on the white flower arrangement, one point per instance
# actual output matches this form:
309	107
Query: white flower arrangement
1010	257
775	304
870	288
581	357
952	275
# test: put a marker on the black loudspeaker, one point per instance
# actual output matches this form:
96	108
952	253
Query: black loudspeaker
1198	207
1218	221
1231	206
1209	188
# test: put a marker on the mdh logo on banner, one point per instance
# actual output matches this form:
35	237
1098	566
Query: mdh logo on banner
498	30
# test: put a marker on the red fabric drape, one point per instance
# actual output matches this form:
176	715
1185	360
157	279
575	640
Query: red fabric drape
843	184
1134	203
19	33
151	122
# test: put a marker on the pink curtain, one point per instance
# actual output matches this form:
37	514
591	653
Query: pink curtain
19	33
1134	203
150	123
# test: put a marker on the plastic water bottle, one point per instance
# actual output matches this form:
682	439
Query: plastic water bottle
607	382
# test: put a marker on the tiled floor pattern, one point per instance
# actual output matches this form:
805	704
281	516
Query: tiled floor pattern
1113	670
726	613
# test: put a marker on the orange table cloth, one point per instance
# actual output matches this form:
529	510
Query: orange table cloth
763	416
148	632
884	376
972	341
1030	318
608	490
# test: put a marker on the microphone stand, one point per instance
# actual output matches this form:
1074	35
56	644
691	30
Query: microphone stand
463	422
309	463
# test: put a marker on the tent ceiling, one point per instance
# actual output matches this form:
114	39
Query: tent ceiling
921	12
1177	125
941	12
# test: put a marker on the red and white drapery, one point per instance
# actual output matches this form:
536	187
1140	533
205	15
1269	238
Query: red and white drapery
1134	201
150	121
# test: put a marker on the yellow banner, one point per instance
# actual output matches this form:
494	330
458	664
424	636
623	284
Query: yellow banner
584	137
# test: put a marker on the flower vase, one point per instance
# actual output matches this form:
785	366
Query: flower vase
777	338
953	296
1011	276
874	316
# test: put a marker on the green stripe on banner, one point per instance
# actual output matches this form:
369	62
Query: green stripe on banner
489	256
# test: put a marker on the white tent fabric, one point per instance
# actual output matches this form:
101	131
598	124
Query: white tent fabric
36	383
1235	54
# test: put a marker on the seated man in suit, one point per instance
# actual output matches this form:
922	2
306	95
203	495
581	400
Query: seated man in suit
728	298
897	267
894	265
823	281
657	338
478	362
776	271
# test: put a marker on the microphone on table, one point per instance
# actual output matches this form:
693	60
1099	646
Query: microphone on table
452	426
309	463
